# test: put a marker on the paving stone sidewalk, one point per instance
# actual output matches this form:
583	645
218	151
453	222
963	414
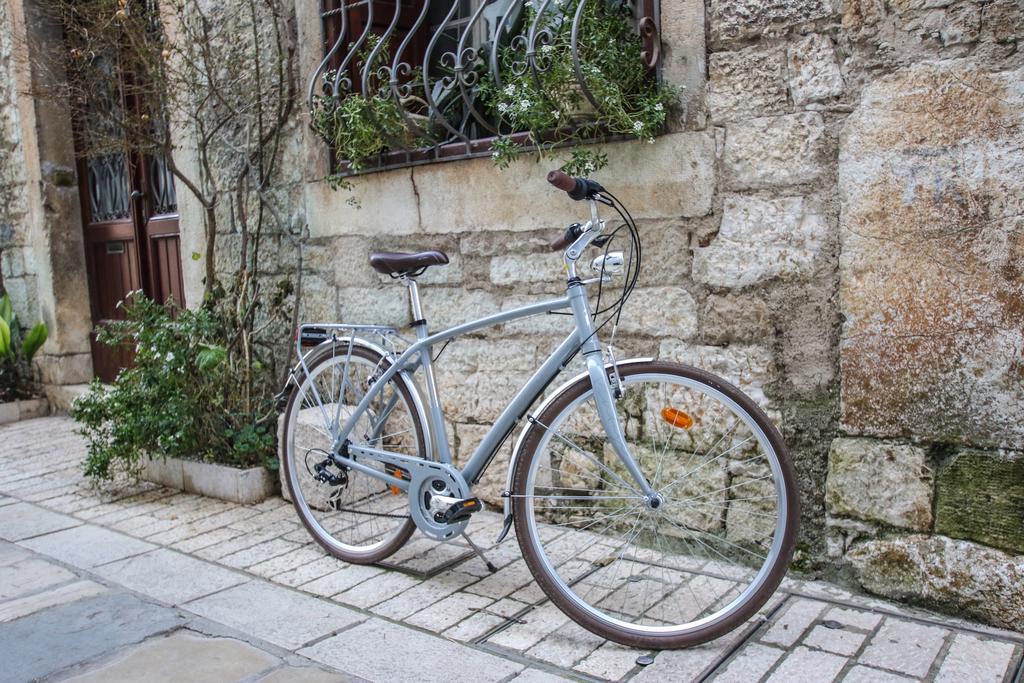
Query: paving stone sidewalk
153	584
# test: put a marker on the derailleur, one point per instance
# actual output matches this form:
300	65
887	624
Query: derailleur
322	474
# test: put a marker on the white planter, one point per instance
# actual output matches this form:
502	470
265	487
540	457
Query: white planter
248	486
14	411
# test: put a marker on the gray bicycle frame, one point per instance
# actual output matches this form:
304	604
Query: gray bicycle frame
583	340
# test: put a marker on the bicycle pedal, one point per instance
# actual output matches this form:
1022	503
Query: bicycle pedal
460	510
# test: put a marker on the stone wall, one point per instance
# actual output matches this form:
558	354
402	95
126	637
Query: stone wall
882	143
17	272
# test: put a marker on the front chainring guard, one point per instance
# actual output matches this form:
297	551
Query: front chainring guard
424	473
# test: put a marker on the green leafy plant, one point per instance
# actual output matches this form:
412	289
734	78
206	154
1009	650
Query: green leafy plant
548	104
17	379
360	127
551	105
182	397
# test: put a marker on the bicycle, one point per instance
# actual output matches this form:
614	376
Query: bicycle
654	503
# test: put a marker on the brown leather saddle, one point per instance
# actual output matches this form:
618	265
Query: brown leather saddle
398	264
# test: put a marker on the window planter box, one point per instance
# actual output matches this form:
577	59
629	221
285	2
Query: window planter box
248	486
13	411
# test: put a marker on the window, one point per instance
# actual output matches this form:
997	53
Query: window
435	58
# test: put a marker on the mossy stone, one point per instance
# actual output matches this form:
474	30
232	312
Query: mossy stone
980	496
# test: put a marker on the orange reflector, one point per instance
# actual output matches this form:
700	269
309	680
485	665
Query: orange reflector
394	490
676	418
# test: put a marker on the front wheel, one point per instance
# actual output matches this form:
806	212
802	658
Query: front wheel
678	570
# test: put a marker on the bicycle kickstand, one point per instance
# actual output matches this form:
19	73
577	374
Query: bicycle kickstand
480	553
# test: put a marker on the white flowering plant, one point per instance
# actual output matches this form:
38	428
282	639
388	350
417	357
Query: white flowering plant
550	104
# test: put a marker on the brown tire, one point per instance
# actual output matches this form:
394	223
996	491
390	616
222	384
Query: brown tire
394	537
606	612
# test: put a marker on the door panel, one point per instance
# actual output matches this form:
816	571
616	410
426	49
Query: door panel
130	223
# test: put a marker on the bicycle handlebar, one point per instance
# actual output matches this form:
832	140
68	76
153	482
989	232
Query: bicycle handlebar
577	189
570	235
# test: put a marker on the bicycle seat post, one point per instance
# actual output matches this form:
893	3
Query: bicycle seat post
418	321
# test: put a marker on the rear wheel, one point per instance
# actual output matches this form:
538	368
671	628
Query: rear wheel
682	569
354	516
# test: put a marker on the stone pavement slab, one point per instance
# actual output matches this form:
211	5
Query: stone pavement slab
383	651
87	546
29	604
278	615
46	642
29	575
23	520
183	656
169	576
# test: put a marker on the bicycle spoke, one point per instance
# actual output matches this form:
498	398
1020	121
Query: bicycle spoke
657	566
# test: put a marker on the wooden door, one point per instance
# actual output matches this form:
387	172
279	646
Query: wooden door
130	220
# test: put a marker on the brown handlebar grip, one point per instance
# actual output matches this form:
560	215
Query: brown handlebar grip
561	242
563	181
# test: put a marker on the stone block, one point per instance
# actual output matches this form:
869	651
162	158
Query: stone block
880	481
787	628
979	496
169	576
773	151
961	24
733	19
971	579
432	653
514	269
29	576
87	546
1002	21
467	437
731	318
659	312
166	471
761	239
9	412
32	408
745	83
477	378
804	665
24	520
379	306
190	656
37	602
321	302
74	368
813	71
930	271
279	615
85	629
971	658
905	646
673	177
245	486
750	368
446	307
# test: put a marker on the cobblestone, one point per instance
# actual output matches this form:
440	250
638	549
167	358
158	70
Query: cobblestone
254	571
905	647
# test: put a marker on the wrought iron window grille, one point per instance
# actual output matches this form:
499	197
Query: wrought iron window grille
444	50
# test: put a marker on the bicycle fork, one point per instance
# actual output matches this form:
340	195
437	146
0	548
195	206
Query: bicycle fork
590	349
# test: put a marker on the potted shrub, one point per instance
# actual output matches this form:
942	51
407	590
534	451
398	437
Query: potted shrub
19	390
183	414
